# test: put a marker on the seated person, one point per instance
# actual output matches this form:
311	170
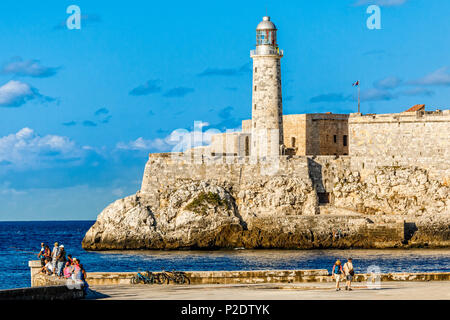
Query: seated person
47	268
68	270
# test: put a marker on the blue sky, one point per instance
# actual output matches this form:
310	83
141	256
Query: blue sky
81	109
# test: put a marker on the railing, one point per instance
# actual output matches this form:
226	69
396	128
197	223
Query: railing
266	51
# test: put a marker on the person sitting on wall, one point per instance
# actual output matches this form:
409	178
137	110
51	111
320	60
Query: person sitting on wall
83	272
68	270
47	268
79	275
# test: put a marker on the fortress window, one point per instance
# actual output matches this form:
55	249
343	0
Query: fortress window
256	69
345	140
335	138
255	88
293	142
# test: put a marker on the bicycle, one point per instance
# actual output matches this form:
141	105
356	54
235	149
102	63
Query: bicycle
140	277
177	277
181	277
159	278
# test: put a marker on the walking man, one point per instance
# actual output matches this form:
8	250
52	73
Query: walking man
349	273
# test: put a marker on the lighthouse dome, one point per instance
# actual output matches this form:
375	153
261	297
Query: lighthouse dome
266	24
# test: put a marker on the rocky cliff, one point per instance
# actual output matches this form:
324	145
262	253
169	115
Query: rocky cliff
227	206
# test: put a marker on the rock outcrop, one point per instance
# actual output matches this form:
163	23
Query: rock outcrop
392	190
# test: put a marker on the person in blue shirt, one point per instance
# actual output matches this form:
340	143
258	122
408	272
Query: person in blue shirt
337	273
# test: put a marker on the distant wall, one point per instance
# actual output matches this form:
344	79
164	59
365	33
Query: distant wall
231	144
410	138
313	134
165	169
327	134
364	185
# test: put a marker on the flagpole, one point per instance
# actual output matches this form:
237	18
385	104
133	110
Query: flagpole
359	100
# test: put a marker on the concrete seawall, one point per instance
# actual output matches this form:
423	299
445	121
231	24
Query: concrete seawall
264	276
48	292
244	277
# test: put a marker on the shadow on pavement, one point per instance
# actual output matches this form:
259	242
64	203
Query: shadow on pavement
93	295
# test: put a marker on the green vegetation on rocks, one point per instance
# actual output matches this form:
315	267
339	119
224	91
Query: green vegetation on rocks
203	201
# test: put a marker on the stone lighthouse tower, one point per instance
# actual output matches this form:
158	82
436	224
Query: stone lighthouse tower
267	107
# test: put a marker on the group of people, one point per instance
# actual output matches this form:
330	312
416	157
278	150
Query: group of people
55	262
339	272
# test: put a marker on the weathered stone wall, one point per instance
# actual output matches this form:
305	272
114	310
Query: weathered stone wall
419	139
327	134
395	190
168	169
294	126
230	144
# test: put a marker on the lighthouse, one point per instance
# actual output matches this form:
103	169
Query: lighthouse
267	106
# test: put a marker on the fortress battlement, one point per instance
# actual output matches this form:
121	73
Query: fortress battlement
415	116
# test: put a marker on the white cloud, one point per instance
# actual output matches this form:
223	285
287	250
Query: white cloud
31	68
142	144
439	77
385	3
27	150
16	93
177	141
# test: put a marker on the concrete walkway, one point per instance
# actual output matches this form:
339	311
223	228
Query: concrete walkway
407	290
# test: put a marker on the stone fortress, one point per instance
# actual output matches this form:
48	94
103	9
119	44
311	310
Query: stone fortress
293	181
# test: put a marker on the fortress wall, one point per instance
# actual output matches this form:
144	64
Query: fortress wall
229	144
247	126
167	168
406	139
294	126
322	170
327	134
313	134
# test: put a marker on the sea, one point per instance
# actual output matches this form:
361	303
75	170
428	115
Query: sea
20	243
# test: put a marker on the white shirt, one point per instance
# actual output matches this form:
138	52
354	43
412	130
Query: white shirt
49	266
347	267
55	252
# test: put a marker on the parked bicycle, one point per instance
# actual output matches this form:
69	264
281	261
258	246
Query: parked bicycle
177	277
146	278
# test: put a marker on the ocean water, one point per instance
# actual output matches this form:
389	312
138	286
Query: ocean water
20	242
